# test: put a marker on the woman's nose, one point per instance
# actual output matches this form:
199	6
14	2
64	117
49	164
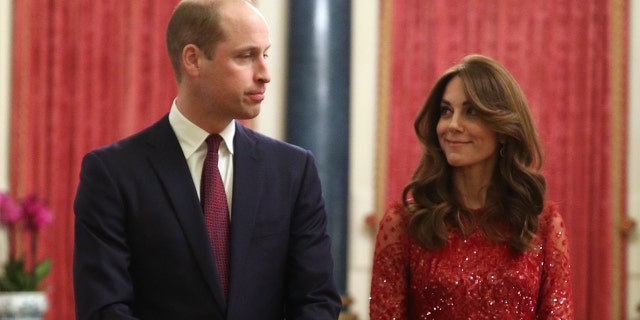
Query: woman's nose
455	122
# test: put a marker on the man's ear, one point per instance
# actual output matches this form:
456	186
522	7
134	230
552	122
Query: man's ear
191	59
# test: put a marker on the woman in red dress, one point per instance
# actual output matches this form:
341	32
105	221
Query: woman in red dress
474	237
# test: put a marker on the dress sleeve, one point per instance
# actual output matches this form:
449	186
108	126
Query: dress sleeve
555	298
390	280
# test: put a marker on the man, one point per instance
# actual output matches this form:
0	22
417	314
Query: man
142	247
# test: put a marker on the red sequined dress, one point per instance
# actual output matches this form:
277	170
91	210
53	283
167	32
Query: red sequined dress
471	278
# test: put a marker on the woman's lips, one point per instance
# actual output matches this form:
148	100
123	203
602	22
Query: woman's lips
456	143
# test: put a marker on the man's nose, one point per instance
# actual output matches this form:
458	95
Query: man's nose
262	71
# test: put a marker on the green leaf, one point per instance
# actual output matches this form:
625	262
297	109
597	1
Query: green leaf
42	269
16	279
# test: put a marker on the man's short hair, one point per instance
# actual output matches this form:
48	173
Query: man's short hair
197	23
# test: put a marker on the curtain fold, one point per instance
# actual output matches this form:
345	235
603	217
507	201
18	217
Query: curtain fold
562	54
85	73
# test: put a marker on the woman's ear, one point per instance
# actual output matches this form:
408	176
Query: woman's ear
502	139
501	144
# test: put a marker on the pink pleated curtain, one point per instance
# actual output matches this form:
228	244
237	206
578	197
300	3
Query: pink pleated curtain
570	59
85	73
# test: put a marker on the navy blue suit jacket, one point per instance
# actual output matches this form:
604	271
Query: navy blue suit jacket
142	250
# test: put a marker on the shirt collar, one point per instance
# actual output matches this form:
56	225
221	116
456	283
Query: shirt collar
227	135
191	137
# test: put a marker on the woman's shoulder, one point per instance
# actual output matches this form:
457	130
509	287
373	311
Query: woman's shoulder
550	220
396	213
393	224
550	211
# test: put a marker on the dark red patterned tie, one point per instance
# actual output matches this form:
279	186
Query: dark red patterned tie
216	212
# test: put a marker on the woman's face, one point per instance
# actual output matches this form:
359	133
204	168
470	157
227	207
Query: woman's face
465	139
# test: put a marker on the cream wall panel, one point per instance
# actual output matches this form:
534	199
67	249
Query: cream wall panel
6	16
364	103
6	13
273	109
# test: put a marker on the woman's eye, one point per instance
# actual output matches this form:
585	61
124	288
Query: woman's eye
472	111
445	110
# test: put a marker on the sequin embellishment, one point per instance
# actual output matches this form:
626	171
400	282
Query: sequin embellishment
471	278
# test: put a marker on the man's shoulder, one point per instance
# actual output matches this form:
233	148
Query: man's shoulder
156	133
265	142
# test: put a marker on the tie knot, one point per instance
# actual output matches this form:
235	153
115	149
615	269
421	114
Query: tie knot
213	142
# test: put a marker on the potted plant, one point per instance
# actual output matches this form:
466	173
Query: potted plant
21	294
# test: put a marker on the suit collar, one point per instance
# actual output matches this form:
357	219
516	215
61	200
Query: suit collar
167	159
248	183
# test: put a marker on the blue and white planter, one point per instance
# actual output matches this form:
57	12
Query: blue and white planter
28	305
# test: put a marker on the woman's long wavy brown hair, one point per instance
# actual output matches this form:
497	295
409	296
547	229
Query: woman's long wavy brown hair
515	196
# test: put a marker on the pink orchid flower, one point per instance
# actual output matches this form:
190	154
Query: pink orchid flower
10	211
36	213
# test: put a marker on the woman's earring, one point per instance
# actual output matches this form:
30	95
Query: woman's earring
502	150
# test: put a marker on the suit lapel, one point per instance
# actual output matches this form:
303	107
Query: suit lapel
167	159
247	184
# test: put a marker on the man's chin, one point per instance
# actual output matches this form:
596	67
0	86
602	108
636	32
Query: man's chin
250	113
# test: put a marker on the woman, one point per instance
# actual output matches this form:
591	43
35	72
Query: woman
474	237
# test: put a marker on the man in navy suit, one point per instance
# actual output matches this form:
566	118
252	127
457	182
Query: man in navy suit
142	250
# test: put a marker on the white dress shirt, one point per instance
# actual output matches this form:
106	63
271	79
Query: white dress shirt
192	140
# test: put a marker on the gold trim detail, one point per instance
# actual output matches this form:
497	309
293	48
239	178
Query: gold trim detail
618	23
384	84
